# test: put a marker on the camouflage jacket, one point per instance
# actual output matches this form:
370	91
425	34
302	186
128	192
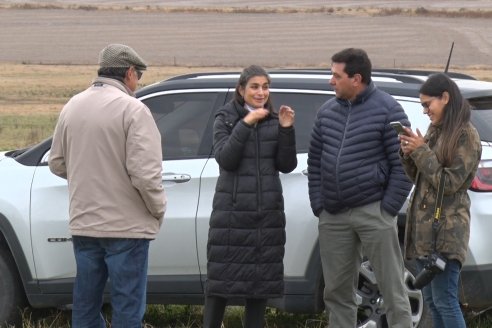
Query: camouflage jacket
424	169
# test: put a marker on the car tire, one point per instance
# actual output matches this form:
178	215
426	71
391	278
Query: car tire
12	298
369	299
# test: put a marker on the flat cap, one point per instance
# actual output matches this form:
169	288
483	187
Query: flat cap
119	55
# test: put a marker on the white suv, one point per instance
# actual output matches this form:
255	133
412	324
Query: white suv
37	266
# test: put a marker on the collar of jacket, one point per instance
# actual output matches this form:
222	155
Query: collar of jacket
240	110
115	83
361	97
243	110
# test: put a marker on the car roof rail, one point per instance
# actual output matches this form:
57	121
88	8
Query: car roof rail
386	74
417	72
397	77
377	71
199	74
400	75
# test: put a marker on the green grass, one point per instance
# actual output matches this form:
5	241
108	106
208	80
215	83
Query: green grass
190	316
19	131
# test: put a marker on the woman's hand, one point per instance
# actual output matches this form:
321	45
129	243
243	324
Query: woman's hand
256	115
410	140
286	116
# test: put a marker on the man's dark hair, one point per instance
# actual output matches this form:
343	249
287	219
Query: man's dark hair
117	73
356	62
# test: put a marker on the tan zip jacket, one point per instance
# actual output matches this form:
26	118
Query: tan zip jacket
106	144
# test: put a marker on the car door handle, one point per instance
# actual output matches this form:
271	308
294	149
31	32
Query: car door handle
305	172
176	177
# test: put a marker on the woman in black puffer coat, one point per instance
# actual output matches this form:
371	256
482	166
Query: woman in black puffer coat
245	250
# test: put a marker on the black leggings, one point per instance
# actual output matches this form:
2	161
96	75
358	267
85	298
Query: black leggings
213	314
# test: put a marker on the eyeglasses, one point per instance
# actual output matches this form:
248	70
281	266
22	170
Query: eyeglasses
427	103
139	74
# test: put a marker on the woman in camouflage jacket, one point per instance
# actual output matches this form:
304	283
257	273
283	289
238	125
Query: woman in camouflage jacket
451	147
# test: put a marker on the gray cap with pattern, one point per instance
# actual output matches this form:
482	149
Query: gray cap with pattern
119	55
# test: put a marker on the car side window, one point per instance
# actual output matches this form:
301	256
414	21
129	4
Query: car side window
183	119
306	105
482	120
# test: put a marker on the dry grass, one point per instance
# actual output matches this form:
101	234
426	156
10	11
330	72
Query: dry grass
190	316
356	10
28	89
33	95
40	89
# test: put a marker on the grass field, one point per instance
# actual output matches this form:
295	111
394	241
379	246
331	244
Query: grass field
181	316
190	316
32	95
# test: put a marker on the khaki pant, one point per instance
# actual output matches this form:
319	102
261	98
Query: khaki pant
342	238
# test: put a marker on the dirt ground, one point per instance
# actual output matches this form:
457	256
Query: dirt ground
271	39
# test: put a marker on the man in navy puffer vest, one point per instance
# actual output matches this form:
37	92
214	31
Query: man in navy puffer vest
357	187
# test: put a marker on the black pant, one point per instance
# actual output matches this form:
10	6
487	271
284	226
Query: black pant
213	314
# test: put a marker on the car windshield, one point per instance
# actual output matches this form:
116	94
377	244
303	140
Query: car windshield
482	120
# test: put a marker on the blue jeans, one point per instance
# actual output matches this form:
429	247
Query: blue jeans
441	296
124	262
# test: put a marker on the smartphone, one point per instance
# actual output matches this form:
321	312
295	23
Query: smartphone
398	127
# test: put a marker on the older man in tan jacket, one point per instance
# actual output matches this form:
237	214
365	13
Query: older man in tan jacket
106	144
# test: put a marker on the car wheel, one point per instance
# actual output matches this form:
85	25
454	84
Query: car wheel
370	301
12	299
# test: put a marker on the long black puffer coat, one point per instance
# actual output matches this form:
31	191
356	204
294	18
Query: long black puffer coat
247	227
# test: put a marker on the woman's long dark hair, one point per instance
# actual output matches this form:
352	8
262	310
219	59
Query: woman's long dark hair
456	114
246	75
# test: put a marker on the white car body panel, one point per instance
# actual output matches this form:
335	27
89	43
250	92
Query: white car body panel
50	220
480	242
173	252
15	203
